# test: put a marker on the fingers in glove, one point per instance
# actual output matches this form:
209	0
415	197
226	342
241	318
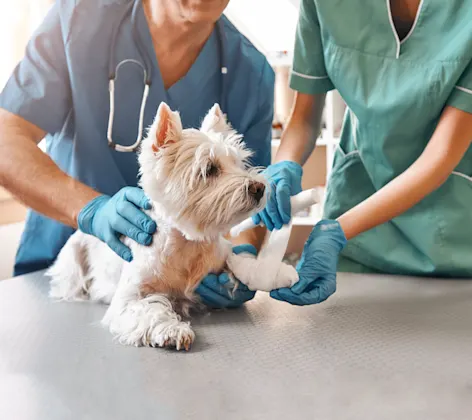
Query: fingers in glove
316	292
266	220
137	197
224	281
135	216
126	228
221	285
211	298
286	295
216	292
284	207
302	284
272	208
322	288
257	219
120	249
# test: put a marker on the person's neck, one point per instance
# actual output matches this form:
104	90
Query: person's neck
173	30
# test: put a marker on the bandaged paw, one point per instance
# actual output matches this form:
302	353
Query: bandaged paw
264	274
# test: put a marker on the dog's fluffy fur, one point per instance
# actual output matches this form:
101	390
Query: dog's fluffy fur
200	186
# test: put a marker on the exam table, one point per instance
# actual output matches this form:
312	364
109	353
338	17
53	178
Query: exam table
381	348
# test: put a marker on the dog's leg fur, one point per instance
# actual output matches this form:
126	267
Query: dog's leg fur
75	276
70	271
148	321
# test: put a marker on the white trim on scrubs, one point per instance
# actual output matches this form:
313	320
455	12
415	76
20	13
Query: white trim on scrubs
309	73
461	97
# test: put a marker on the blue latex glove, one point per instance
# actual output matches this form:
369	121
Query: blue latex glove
108	218
317	267
214	290
285	180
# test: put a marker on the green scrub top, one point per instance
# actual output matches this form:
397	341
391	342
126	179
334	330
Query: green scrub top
395	92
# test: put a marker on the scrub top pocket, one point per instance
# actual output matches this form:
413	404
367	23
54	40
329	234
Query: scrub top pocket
347	185
385	248
452	211
432	238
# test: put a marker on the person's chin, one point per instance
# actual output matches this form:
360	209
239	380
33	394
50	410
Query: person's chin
206	11
200	16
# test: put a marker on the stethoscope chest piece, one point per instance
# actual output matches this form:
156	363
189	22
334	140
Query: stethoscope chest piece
111	117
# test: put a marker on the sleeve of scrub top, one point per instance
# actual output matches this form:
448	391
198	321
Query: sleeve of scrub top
461	96
39	88
258	136
309	72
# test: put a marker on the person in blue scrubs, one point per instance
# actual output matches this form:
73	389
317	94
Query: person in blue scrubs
59	91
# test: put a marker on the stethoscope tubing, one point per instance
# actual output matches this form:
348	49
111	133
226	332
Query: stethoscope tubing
147	70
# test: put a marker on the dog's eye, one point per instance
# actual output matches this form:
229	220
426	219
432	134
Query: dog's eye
212	170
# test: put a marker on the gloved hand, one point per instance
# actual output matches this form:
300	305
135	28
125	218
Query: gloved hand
214	292
285	179
317	266
109	217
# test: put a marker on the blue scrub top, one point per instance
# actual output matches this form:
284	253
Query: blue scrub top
61	85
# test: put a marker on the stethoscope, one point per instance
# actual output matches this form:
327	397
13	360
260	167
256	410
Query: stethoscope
147	70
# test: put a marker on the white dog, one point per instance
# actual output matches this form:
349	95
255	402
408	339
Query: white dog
200	187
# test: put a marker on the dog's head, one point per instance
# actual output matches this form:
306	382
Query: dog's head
199	179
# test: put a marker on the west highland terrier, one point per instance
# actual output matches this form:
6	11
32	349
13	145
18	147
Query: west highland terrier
200	186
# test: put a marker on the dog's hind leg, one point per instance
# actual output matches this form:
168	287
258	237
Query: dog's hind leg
69	273
145	321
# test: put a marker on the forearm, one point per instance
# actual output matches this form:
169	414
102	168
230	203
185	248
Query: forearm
444	152
303	129
395	198
297	143
33	178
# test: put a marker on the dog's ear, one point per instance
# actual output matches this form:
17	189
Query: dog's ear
167	127
215	121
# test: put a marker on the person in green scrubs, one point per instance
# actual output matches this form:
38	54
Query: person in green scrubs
399	199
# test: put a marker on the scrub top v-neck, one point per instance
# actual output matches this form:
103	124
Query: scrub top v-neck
202	72
61	86
403	26
395	92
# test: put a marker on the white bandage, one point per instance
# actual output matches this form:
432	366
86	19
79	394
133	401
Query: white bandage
268	271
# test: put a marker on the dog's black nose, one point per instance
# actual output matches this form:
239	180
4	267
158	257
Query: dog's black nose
256	190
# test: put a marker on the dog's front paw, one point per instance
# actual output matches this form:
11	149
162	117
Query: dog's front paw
149	322
287	276
179	336
243	268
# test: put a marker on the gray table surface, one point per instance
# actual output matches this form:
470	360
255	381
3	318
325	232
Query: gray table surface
381	348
